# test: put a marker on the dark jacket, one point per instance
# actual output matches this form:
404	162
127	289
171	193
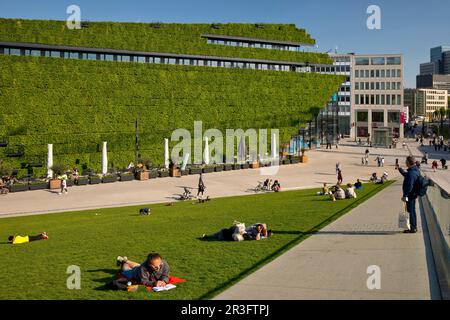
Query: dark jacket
149	277
410	182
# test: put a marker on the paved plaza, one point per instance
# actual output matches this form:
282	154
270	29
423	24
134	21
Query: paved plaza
319	169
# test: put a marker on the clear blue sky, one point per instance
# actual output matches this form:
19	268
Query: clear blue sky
410	27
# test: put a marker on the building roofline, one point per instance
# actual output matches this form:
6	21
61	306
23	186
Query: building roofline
27	45
256	40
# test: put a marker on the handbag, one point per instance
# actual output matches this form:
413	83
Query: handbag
403	218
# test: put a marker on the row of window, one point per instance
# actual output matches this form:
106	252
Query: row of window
378	116
378	86
151	59
245	44
389	73
378	61
333	69
378	99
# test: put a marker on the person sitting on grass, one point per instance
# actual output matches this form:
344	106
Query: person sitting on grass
374	177
358	184
338	194
325	190
276	186
25	239
350	192
383	178
153	272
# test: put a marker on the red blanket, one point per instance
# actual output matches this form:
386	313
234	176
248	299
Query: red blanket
172	280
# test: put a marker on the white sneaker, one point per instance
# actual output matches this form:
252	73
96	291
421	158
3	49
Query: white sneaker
59	193
120	260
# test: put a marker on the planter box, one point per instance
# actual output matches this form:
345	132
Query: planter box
82	181
109	179
208	170
55	184
163	174
175	172
245	166
94	180
236	166
152	174
184	172
285	161
195	170
295	160
70	182
143	175
254	165
38	185
19	187
218	168
227	167
126	177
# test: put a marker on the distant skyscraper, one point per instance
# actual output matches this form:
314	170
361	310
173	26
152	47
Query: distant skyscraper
439	61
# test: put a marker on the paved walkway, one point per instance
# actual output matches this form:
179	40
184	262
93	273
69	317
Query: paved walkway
320	169
332	264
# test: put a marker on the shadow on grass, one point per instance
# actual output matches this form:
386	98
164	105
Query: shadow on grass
105	280
301	236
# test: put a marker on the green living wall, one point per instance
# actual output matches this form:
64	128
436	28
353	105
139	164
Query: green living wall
162	37
77	104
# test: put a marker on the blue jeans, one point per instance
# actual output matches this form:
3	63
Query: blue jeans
411	208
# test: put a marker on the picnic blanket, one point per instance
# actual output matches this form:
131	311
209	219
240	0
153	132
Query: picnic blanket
172	280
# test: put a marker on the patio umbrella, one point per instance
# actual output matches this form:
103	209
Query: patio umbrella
274	146
166	153
104	159
185	161
50	161
241	150
206	152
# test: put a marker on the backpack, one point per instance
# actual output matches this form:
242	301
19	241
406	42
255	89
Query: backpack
422	185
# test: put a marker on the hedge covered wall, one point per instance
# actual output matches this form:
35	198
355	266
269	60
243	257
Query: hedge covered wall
165	37
77	104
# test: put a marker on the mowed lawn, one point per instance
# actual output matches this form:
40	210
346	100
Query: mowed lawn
93	239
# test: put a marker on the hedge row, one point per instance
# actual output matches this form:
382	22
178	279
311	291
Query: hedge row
169	38
77	104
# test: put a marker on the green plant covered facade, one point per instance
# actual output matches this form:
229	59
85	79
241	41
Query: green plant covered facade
77	104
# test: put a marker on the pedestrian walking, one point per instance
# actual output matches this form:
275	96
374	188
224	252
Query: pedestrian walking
201	185
339	177
63	179
329	140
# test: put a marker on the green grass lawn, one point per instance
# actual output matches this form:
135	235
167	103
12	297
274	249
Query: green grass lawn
93	239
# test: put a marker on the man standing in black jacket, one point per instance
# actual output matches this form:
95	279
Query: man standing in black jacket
410	191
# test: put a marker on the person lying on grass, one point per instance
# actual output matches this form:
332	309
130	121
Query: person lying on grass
26	239
257	231
238	232
153	272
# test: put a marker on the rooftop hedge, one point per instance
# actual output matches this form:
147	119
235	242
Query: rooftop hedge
77	104
162	37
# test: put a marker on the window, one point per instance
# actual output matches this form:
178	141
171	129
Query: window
377	86
367	75
388	99
383	85
383	100
393	117
356	73
377	73
172	61
362	116
140	59
71	55
372	86
33	53
372	73
394	99
379	61
356	85
399	99
382	74
362	61
377	99
372	99
377	116
394	61
93	56
362	132
388	73
399	73
357	98
14	52
367	86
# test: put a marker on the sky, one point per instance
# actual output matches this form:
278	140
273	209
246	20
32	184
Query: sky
410	27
